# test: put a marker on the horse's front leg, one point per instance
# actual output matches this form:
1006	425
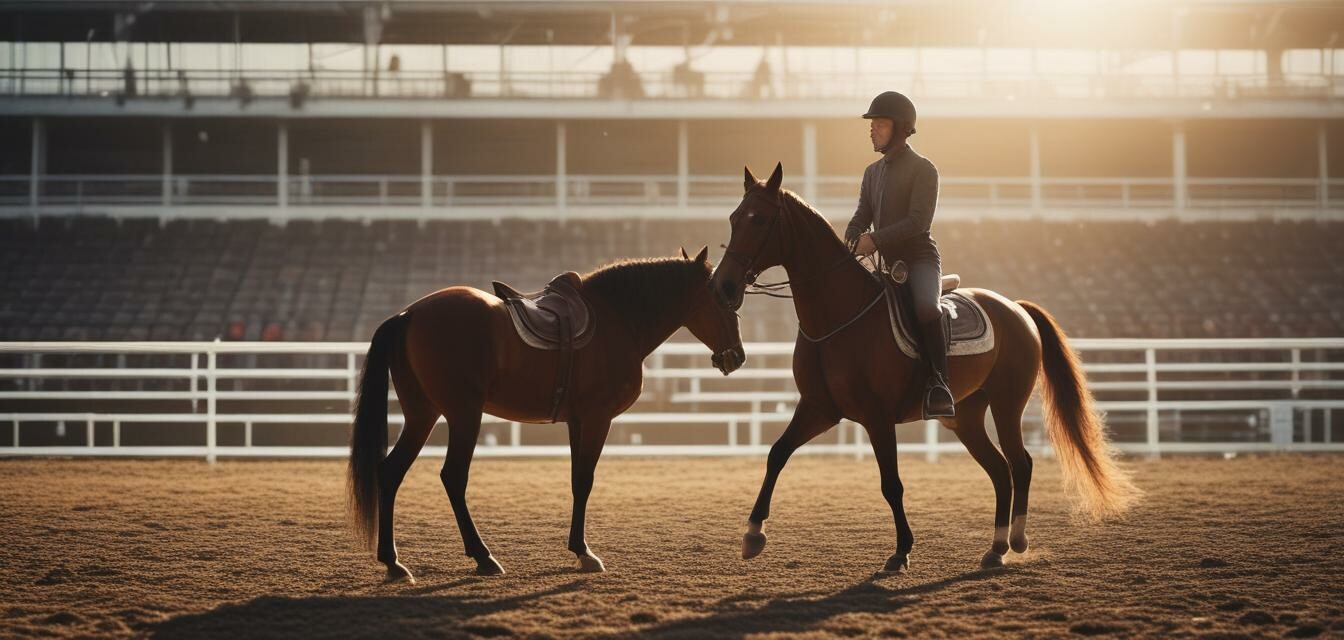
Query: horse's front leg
808	422
586	437
883	439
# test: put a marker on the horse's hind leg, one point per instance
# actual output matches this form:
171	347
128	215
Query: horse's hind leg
970	428
420	418
1007	410
464	427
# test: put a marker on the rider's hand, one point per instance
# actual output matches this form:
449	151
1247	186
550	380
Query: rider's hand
865	245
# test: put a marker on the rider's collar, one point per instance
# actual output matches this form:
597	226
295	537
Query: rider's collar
893	154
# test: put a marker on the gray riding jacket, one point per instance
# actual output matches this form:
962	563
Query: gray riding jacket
897	198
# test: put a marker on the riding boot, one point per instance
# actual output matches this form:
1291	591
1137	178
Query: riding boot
938	400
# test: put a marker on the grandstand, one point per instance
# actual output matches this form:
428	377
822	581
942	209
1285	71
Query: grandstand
86	278
297	171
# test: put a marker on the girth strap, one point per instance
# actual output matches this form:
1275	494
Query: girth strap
562	370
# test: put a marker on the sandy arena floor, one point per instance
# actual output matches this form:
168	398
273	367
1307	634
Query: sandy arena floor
1219	548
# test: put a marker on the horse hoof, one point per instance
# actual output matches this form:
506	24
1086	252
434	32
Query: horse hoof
991	560
752	545
591	564
489	566
1018	543
897	563
397	572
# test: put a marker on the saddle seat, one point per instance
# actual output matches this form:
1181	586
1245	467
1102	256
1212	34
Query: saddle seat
556	318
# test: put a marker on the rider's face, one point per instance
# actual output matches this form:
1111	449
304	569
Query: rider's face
879	132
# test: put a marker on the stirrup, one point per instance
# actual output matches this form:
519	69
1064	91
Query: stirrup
949	412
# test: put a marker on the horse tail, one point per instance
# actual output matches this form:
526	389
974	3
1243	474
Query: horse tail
368	438
1077	430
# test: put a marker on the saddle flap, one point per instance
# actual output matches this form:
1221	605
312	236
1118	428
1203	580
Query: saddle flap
553	317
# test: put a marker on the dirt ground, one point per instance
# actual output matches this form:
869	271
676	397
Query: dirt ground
1219	548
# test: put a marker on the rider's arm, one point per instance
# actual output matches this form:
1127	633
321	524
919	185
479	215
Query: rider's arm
863	215
919	218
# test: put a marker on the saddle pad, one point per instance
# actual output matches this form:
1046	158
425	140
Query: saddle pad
970	330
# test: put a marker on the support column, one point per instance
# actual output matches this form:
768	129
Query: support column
683	165
426	163
1035	146
810	161
561	174
1323	167
1180	196
282	165
167	164
37	164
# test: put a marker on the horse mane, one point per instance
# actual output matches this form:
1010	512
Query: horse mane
647	289
795	203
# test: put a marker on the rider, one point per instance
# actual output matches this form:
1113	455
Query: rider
897	198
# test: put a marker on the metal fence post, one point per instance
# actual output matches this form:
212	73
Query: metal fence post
210	404
1150	362
755	421
1297	372
931	440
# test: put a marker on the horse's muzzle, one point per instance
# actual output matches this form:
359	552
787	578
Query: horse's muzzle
730	359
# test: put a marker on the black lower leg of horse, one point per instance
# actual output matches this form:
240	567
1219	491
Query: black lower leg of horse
586	438
805	425
391	471
883	439
971	431
462	433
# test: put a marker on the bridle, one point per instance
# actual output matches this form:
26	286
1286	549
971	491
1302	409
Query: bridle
736	352
772	289
748	262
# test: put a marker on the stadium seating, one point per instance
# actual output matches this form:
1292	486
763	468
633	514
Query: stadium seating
92	278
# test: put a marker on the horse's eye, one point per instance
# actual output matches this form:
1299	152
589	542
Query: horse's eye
755	219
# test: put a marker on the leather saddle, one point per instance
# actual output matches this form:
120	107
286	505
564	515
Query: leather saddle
552	317
557	318
965	324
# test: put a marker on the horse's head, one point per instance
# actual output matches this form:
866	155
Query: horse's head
755	244
713	324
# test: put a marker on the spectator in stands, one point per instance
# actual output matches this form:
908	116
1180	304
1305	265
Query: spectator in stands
762	80
896	199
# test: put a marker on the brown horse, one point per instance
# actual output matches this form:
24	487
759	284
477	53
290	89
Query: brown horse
455	353
859	373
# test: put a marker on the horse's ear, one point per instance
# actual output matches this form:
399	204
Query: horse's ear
748	180
683	254
776	178
703	255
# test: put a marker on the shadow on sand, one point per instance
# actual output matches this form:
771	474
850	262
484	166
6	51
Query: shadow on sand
800	614
419	613
427	612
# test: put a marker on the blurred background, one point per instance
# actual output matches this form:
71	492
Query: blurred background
1167	178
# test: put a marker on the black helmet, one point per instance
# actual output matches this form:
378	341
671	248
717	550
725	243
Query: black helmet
890	104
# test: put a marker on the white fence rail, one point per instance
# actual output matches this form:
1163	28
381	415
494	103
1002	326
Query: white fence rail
442	194
1161	396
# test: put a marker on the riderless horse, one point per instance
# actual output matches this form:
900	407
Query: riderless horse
573	354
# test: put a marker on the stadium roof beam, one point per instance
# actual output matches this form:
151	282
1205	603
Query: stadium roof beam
1207	24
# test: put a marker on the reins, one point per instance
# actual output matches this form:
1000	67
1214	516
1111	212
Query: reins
774	289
